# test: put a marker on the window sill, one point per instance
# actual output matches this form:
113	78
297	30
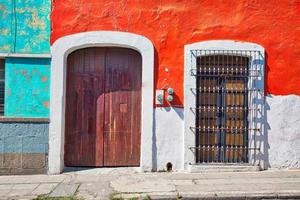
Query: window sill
23	119
24	55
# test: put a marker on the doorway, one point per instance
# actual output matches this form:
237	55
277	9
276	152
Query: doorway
103	107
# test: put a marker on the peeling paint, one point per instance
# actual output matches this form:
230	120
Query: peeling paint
44	79
46	104
36	22
4	31
3	10
27	87
28	29
4	48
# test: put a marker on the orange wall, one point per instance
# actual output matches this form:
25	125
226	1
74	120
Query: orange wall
170	24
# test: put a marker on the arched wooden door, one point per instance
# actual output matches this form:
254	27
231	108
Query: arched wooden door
103	107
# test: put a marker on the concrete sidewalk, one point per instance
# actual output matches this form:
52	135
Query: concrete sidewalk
127	183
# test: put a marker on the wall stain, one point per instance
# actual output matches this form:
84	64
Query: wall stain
35	22
27	30
44	79
46	104
29	100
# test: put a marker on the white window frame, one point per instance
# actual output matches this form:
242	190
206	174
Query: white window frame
256	157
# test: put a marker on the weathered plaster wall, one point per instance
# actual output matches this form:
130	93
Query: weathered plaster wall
27	83
168	141
283	114
25	26
23	148
280	139
170	24
25	29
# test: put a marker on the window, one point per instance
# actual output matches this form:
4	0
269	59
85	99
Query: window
221	125
225	87
224	115
2	85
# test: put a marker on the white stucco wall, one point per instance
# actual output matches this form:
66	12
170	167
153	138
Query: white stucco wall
283	117
168	144
281	137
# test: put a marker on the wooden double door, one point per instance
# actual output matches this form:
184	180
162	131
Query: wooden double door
103	107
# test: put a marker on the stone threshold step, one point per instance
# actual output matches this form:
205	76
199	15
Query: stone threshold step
198	168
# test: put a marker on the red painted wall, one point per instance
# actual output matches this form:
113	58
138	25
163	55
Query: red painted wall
170	24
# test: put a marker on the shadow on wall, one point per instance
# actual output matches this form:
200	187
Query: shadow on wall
158	143
258	139
154	145
258	135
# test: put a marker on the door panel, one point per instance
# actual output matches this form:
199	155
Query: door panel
103	107
84	108
122	108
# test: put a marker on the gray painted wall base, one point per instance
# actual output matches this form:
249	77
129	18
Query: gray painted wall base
23	148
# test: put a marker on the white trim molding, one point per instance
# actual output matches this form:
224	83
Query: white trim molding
257	140
24	55
60	51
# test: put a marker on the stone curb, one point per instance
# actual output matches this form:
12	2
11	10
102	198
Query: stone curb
227	197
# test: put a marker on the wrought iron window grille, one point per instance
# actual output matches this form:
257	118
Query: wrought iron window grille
226	110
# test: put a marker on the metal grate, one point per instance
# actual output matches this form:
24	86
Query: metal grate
2	86
224	107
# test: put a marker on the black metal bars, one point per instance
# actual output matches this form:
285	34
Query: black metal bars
225	87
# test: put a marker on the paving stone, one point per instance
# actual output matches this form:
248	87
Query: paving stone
5	187
4	192
32	179
15	179
24	186
100	190
44	188
135	184
23	198
182	182
45	178
63	190
195	189
88	178
19	193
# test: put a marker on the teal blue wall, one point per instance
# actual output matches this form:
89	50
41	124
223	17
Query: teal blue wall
27	83
25	29
25	26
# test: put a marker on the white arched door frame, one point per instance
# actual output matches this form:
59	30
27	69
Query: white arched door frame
60	51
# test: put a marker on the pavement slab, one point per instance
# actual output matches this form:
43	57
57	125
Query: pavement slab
64	190
44	188
127	184
5	187
25	186
93	190
134	184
